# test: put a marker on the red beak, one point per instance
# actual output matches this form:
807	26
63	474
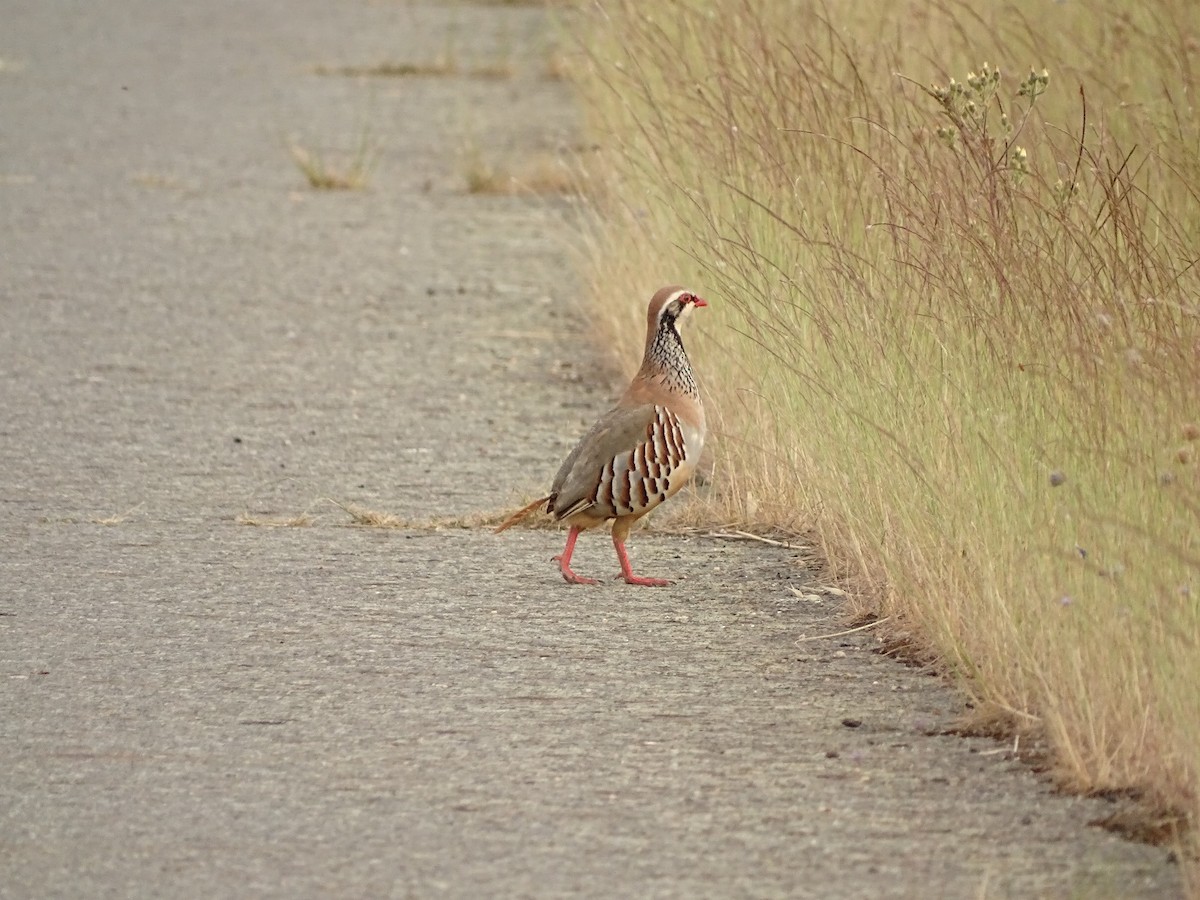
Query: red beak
698	301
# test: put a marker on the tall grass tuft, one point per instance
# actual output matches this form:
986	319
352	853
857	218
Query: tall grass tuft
955	329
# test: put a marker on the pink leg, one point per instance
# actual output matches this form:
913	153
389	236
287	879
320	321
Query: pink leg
564	560
627	570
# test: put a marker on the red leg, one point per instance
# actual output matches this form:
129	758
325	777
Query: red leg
627	570
564	560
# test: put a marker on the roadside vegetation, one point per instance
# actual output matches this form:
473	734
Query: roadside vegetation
348	173
537	173
952	260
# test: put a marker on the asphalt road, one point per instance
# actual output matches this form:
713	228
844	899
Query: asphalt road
192	340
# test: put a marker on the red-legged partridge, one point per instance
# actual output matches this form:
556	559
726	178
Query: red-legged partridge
639	453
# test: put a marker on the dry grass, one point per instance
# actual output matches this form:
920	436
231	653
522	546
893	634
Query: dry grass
158	181
518	2
301	520
955	329
444	65
498	69
543	173
558	64
347	174
362	517
119	518
440	66
369	518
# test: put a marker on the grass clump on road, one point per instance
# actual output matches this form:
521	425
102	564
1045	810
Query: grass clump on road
446	64
348	174
956	328
541	173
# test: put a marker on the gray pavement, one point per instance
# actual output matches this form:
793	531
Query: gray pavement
191	706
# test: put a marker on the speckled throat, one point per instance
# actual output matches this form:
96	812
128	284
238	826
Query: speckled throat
667	361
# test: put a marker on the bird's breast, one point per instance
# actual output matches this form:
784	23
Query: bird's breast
693	440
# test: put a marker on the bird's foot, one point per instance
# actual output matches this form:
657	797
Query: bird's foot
644	582
627	569
569	576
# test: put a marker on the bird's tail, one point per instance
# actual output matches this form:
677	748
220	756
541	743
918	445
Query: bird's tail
520	514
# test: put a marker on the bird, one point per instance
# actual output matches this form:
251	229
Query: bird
639	453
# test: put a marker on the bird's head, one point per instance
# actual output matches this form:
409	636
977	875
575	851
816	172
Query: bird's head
669	307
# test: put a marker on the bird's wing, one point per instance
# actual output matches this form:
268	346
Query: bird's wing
623	465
